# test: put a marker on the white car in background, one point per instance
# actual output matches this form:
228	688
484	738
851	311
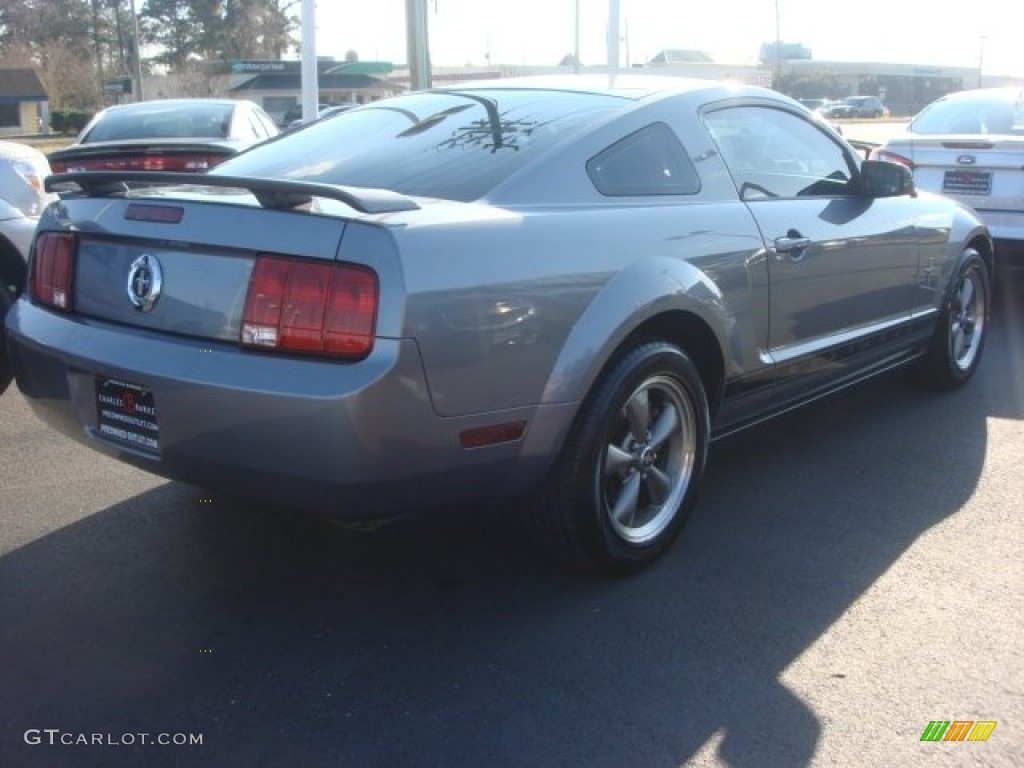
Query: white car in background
970	146
22	199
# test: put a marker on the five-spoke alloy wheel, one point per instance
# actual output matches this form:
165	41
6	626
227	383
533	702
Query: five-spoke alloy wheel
629	472
648	465
959	337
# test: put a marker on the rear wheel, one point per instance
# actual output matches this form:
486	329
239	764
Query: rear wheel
629	473
956	347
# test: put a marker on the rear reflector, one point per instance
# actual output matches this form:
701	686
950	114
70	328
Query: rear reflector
492	435
53	268
310	308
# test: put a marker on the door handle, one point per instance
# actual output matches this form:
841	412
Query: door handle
793	243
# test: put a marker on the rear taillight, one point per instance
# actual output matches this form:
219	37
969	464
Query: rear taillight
883	154
194	162
53	269
310	308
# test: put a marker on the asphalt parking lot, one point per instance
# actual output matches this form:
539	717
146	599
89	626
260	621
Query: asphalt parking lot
853	573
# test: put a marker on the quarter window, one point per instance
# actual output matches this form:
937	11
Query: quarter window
256	128
772	153
650	161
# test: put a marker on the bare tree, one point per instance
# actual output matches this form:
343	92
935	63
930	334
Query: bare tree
55	38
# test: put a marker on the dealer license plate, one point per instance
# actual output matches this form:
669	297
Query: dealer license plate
967	182
126	414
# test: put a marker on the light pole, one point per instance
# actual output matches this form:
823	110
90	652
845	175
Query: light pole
138	55
778	49
310	74
417	44
576	42
613	35
981	57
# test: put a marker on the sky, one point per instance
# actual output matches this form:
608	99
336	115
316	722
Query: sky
540	32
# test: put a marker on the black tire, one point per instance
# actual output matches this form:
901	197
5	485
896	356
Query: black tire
955	350
628	475
6	374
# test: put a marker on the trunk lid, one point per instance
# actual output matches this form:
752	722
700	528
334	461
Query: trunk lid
987	172
179	259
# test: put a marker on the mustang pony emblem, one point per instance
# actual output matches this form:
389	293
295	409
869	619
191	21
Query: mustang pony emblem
145	281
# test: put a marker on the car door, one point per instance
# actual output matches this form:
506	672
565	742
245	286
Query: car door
842	265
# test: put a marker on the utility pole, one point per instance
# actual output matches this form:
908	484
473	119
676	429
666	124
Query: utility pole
96	42
310	75
139	96
417	44
981	57
576	41
613	35
777	85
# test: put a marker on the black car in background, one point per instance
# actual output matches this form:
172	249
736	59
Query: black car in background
189	135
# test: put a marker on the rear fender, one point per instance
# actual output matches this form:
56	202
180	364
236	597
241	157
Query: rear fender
965	230
644	290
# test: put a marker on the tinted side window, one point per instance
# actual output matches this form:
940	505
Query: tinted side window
650	161
773	153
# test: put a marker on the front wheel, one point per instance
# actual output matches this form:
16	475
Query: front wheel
955	350
628	475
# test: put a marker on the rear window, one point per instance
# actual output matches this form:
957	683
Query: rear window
455	145
158	121
973	113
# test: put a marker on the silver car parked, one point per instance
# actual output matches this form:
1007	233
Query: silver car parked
560	290
22	199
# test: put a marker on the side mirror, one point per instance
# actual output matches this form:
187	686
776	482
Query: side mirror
880	178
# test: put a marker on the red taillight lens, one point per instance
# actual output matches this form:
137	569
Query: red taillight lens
53	269
310	308
883	154
192	162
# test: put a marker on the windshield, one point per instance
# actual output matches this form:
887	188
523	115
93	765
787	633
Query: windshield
456	145
981	112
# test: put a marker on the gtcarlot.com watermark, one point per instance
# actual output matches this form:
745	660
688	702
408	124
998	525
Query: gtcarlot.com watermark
55	737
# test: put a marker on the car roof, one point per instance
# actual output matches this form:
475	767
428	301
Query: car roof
1010	93
155	104
627	86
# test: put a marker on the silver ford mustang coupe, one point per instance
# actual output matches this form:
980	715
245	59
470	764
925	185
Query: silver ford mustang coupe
553	289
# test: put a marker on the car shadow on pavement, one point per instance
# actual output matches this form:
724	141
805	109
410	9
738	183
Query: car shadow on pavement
444	641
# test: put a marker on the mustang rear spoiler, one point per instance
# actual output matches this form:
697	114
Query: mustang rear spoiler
271	193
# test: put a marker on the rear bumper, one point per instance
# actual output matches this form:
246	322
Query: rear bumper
360	439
